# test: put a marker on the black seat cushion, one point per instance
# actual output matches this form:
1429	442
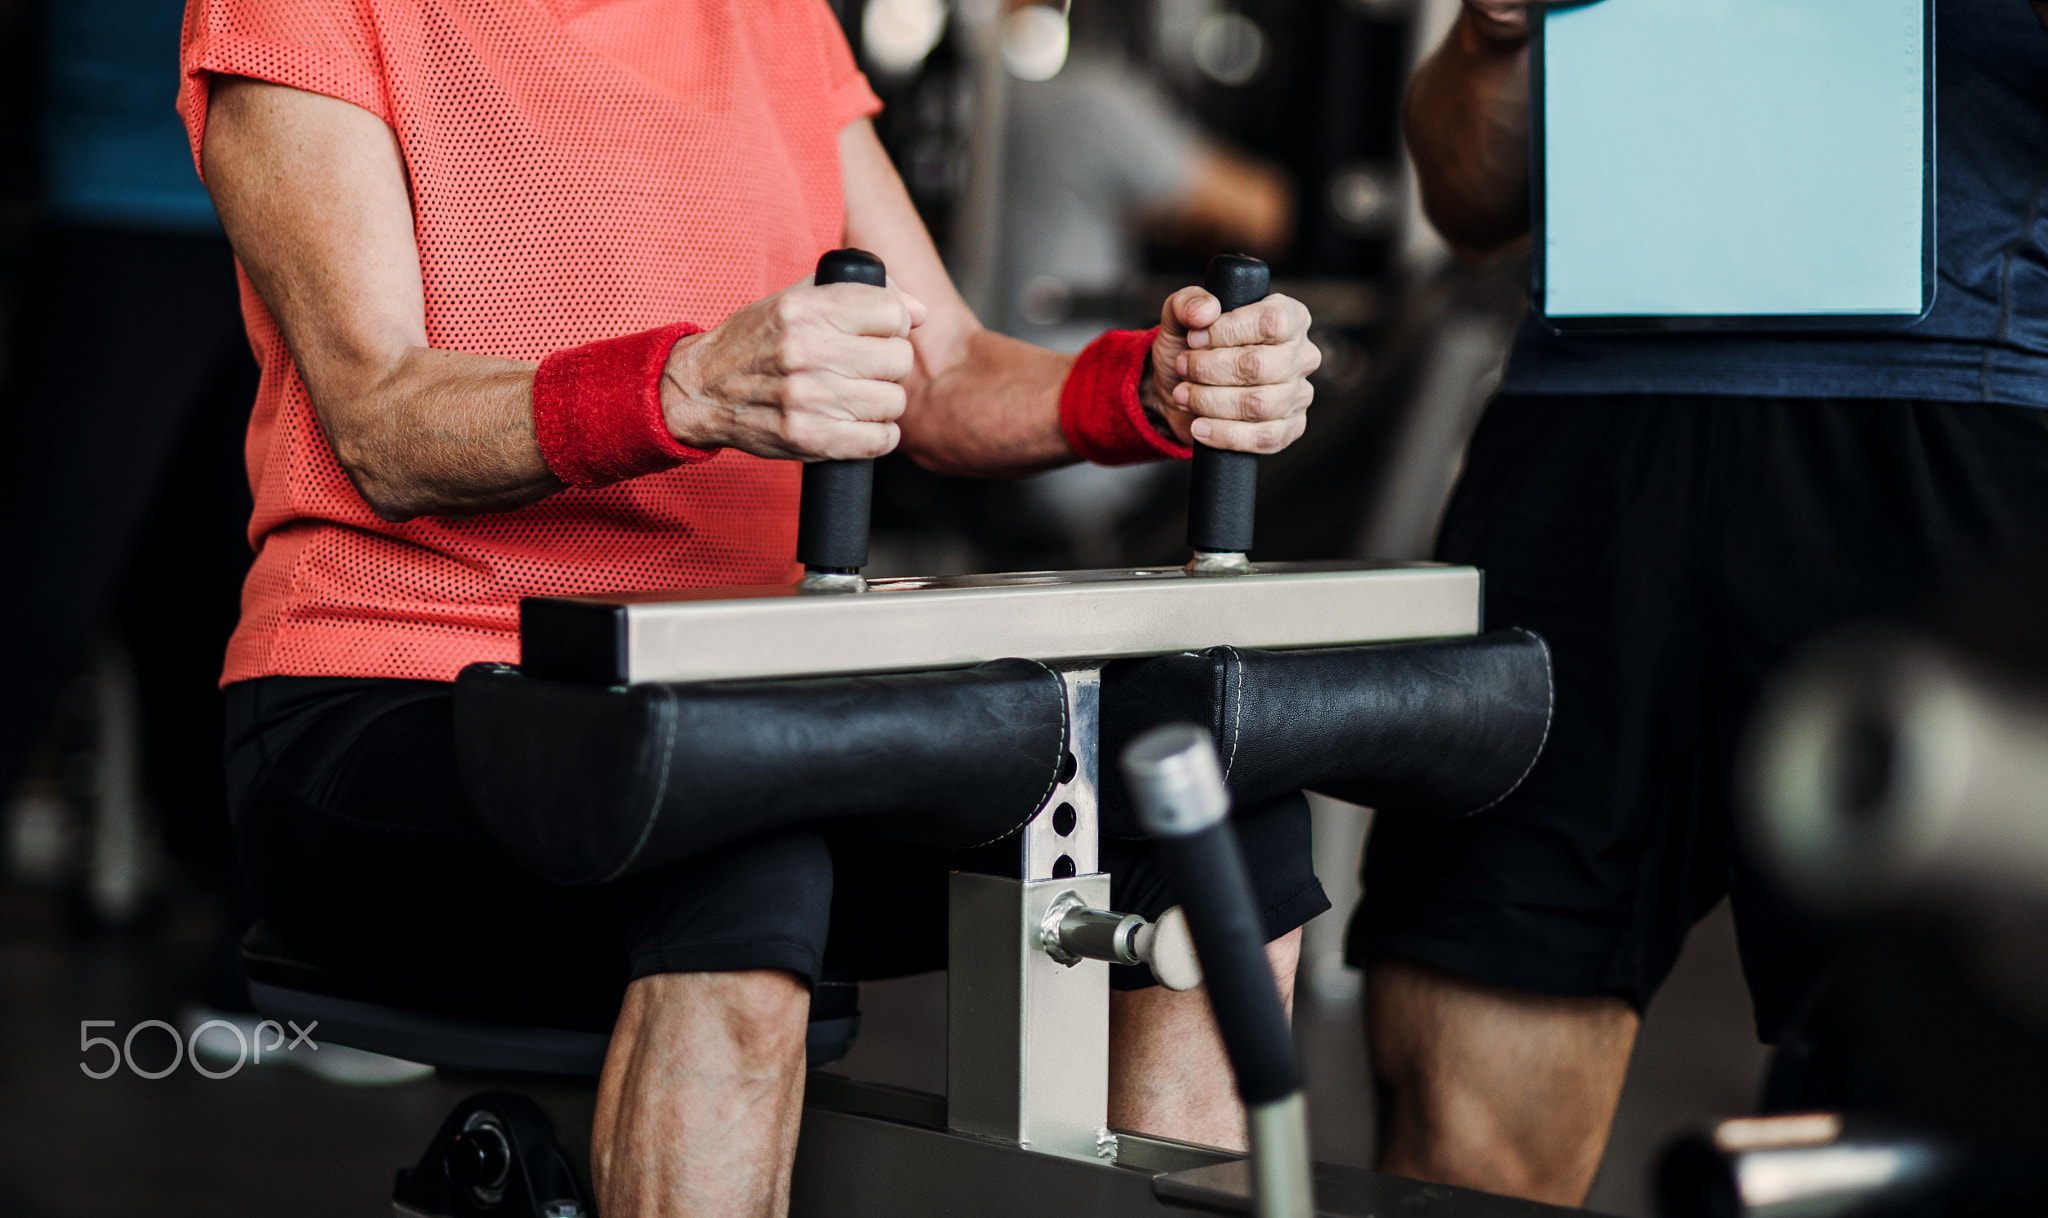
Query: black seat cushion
582	784
1440	728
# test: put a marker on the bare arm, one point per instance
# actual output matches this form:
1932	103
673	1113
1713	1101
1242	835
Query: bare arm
981	403
2041	11
1467	124
1228	202
313	195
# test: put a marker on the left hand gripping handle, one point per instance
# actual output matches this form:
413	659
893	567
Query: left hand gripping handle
1225	482
832	523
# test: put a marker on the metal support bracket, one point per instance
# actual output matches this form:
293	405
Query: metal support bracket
1027	1037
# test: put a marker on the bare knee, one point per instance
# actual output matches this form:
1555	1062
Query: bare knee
761	1011
1493	1088
1168	1072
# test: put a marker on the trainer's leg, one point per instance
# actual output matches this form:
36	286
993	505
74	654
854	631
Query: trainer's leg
1167	1072
702	1093
1492	1088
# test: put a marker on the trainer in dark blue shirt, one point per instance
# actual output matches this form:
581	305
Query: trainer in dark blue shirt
1676	513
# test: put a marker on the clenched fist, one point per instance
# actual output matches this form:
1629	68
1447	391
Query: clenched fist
811	372
1233	380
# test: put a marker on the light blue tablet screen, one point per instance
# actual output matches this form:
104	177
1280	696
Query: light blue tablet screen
1734	157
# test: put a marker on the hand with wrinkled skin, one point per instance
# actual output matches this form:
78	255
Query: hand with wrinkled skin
1237	380
811	373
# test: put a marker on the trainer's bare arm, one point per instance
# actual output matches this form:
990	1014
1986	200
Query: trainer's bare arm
312	193
2041	11
1467	123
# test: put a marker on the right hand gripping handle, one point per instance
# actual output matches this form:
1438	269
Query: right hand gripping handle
1220	497
832	522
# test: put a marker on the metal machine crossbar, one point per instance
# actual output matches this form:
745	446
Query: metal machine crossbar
902	625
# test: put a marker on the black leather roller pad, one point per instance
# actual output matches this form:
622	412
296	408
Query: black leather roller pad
1441	728
582	784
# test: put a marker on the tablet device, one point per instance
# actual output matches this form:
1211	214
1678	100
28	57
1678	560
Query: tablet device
1732	164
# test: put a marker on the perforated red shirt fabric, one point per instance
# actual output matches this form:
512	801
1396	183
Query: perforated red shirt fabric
579	169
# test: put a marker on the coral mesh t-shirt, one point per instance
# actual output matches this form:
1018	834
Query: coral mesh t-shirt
579	169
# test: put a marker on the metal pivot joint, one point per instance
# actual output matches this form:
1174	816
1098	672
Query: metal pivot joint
832	520
1225	483
1071	932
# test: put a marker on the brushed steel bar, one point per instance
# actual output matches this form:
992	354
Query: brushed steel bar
712	634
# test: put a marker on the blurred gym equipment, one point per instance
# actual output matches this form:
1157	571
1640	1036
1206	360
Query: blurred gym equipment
1898	782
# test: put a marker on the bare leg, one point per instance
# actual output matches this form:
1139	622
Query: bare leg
1167	1072
702	1093
1492	1088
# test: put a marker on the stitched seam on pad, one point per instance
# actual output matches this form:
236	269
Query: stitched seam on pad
1549	710
1232	660
1066	728
668	745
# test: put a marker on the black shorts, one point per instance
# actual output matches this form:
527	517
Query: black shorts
364	856
1673	550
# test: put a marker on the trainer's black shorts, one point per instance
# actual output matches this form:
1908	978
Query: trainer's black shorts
365	857
1673	550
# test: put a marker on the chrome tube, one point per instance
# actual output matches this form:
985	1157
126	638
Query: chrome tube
1799	1166
1282	1176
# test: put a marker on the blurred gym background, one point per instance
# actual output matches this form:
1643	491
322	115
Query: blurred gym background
1076	167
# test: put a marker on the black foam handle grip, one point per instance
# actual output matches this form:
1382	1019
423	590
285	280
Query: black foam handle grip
832	520
1208	874
1226	483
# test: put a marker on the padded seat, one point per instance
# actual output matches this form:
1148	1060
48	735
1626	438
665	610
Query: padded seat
286	987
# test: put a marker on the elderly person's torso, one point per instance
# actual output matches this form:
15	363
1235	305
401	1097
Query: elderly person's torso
575	172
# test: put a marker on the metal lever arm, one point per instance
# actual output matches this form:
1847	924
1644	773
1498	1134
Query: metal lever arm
1178	787
832	523
1225	483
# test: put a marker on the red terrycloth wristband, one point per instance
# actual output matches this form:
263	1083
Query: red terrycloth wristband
1100	410
597	409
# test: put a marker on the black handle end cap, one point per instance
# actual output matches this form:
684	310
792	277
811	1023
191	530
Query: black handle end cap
852	266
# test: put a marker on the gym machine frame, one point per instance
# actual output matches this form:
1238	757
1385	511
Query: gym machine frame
1022	1128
